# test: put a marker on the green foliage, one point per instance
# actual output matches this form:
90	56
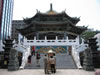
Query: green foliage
88	34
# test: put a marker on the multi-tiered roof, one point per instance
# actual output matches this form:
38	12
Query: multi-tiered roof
51	21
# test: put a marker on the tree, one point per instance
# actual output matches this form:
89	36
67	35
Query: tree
88	34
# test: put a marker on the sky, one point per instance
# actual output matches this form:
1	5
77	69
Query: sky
87	10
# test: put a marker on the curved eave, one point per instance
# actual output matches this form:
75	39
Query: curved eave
23	30
50	23
59	23
29	20
75	29
74	20
81	30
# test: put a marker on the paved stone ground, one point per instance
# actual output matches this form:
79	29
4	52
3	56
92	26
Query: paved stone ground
63	61
41	72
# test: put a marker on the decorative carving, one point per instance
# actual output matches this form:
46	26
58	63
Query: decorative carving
88	62
93	46
8	45
13	60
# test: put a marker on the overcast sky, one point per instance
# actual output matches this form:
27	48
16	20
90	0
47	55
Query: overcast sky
87	10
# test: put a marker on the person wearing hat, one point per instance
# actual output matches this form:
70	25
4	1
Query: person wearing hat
52	60
52	64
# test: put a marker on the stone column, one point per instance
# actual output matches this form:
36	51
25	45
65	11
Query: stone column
37	36
77	40
65	34
67	38
45	37
56	37
34	37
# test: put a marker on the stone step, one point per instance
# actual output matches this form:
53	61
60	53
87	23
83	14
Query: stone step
63	61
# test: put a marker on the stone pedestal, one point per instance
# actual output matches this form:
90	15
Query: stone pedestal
13	60
93	46
8	45
88	62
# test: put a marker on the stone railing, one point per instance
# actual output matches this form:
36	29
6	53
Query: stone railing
50	42
75	53
76	58
26	51
47	42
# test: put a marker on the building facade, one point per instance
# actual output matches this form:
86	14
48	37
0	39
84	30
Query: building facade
16	24
6	12
51	30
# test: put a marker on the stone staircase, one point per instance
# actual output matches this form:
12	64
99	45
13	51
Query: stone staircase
63	61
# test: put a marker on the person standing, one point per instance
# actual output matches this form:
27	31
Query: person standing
38	59
54	55
46	64
52	64
33	50
97	72
20	59
29	59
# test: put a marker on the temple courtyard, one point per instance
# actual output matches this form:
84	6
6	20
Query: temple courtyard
41	72
63	68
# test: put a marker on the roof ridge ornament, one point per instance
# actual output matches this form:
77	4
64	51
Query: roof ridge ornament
51	7
65	10
37	10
